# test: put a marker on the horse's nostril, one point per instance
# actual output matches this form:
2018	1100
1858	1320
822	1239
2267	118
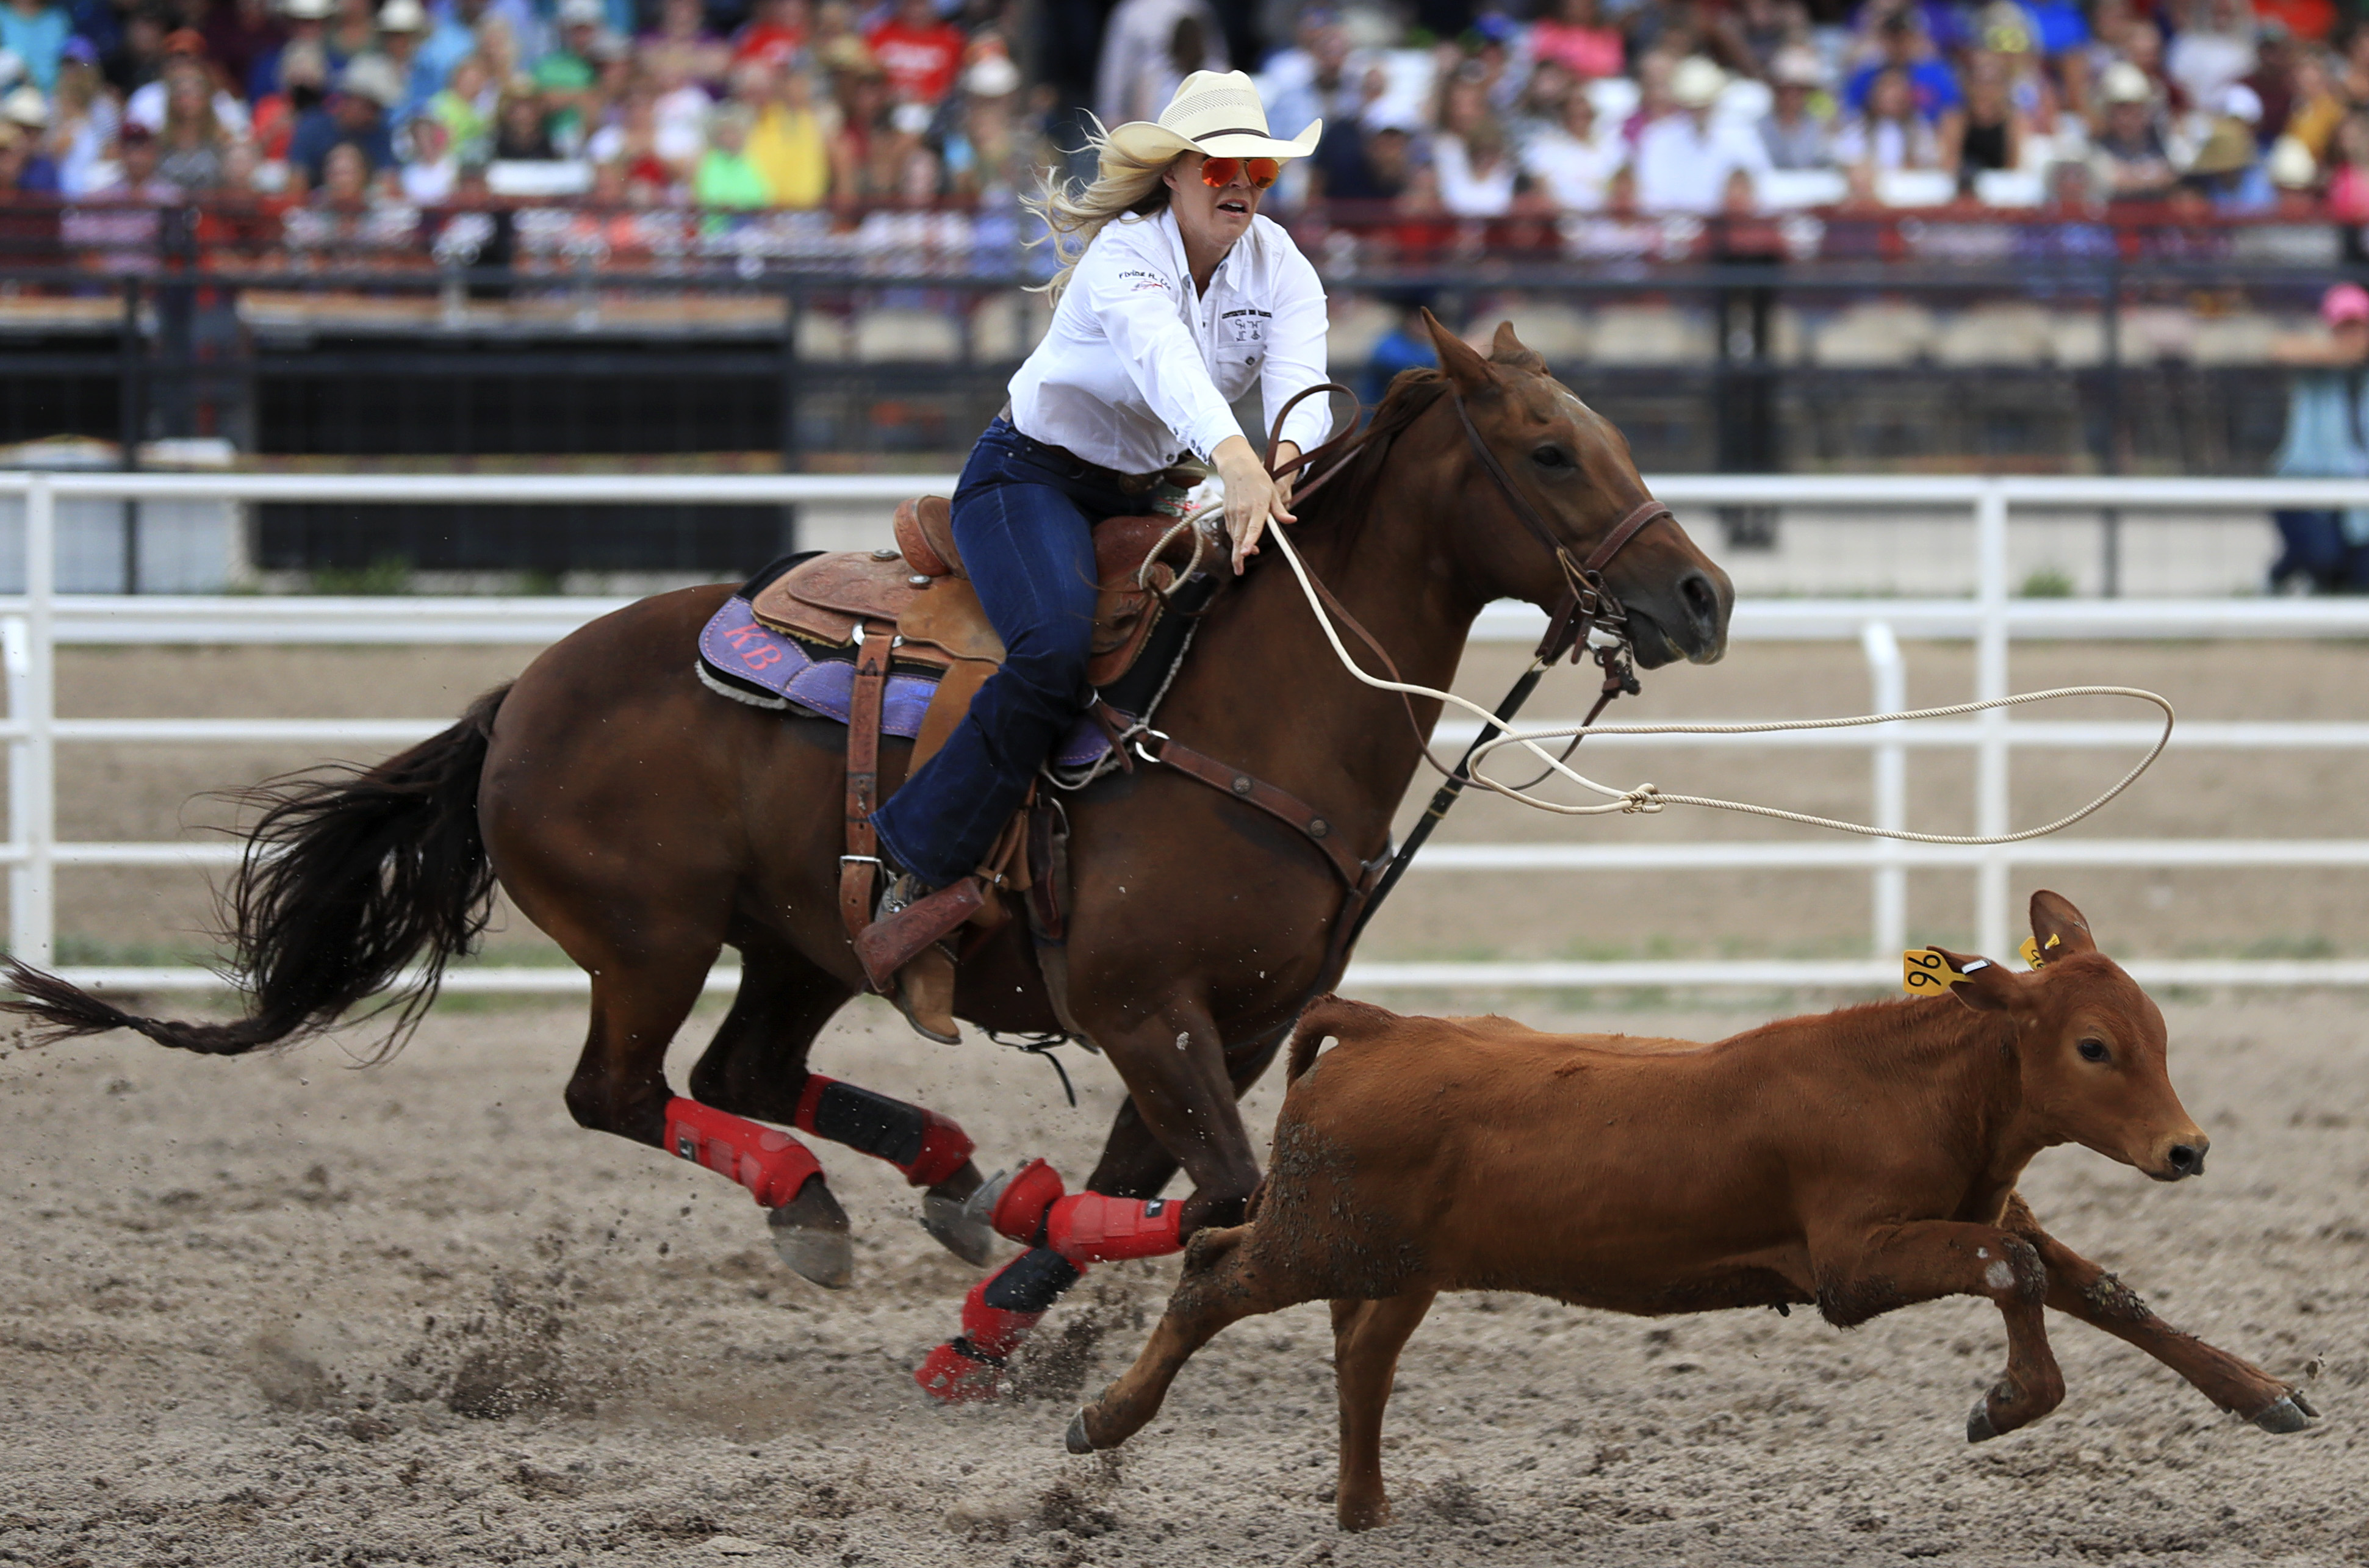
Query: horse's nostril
1702	601
2186	1159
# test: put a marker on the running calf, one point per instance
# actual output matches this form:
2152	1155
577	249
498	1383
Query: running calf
1859	1161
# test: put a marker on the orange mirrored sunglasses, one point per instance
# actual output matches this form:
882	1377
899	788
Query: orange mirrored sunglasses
1219	173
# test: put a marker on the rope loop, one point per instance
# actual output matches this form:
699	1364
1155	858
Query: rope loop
1645	799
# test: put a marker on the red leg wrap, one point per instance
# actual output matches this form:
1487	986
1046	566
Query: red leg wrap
996	1316
1091	1228
926	1146
993	1332
950	1374
770	1163
1020	1213
946	1149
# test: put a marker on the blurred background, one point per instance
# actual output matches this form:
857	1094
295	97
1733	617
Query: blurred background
1761	236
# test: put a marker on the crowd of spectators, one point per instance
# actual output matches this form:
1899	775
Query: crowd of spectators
355	104
1711	106
348	106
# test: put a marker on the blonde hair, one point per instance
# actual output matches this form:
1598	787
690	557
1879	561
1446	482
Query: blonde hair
1123	185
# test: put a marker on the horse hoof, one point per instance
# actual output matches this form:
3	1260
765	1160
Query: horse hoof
2288	1413
810	1235
956	1229
1075	1439
951	1375
1978	1423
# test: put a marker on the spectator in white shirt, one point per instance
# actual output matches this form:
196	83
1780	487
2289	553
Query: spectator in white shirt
1470	156
1890	134
1134	75
1683	158
1571	161
2213	47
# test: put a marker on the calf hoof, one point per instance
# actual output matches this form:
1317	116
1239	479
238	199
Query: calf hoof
2288	1413
1978	1423
958	1230
810	1235
1075	1439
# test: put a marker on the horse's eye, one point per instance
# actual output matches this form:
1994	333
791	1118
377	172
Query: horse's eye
2092	1050
1551	457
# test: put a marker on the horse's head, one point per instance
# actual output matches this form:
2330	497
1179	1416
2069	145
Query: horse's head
1573	469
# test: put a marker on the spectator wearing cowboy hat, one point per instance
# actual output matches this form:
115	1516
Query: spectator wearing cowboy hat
308	27
2134	164
569	75
1683	158
26	113
402	33
357	113
1795	132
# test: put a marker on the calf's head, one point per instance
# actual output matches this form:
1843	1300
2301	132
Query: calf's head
2090	1045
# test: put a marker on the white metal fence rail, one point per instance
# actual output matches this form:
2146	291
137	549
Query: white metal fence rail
34	625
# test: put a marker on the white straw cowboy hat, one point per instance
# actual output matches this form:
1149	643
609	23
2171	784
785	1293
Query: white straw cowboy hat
1217	112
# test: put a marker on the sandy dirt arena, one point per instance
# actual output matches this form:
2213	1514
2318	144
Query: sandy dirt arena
288	1309
285	1311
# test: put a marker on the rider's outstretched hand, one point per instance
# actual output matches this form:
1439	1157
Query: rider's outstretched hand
1252	496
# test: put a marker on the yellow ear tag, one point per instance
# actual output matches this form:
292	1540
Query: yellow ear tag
1924	972
2035	955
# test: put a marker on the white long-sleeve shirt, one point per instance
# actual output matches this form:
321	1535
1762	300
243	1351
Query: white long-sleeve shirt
1140	368
1683	167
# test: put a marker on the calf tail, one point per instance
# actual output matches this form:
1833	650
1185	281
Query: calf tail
1331	1017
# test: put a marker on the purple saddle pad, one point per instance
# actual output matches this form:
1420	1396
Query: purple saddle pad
742	651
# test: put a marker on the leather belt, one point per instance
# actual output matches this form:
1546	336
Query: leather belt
1125	483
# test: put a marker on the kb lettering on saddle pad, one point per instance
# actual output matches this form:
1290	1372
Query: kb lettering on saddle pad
750	660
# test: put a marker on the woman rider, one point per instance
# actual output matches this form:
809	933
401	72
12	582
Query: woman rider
1174	298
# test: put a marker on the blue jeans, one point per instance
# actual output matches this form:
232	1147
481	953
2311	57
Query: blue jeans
2312	546
1024	520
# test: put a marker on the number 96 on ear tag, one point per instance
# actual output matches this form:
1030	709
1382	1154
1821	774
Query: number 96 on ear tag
1924	972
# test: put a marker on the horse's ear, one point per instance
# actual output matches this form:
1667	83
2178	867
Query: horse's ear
2057	929
1508	349
1463	364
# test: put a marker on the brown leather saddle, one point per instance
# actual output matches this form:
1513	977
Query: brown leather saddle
914	605
920	593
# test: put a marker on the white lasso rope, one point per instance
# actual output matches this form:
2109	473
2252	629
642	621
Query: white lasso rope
1647	798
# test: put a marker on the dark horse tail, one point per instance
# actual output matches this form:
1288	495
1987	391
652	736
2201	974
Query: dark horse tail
348	879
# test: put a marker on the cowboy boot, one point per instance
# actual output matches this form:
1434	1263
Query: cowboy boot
903	951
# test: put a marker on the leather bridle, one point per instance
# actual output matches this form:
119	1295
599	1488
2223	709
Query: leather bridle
1586	603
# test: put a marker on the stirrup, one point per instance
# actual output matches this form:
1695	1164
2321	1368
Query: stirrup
895	939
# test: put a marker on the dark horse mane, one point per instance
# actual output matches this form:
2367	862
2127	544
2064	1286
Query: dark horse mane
1341	508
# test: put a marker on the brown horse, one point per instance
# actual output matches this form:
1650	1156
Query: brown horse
645	825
